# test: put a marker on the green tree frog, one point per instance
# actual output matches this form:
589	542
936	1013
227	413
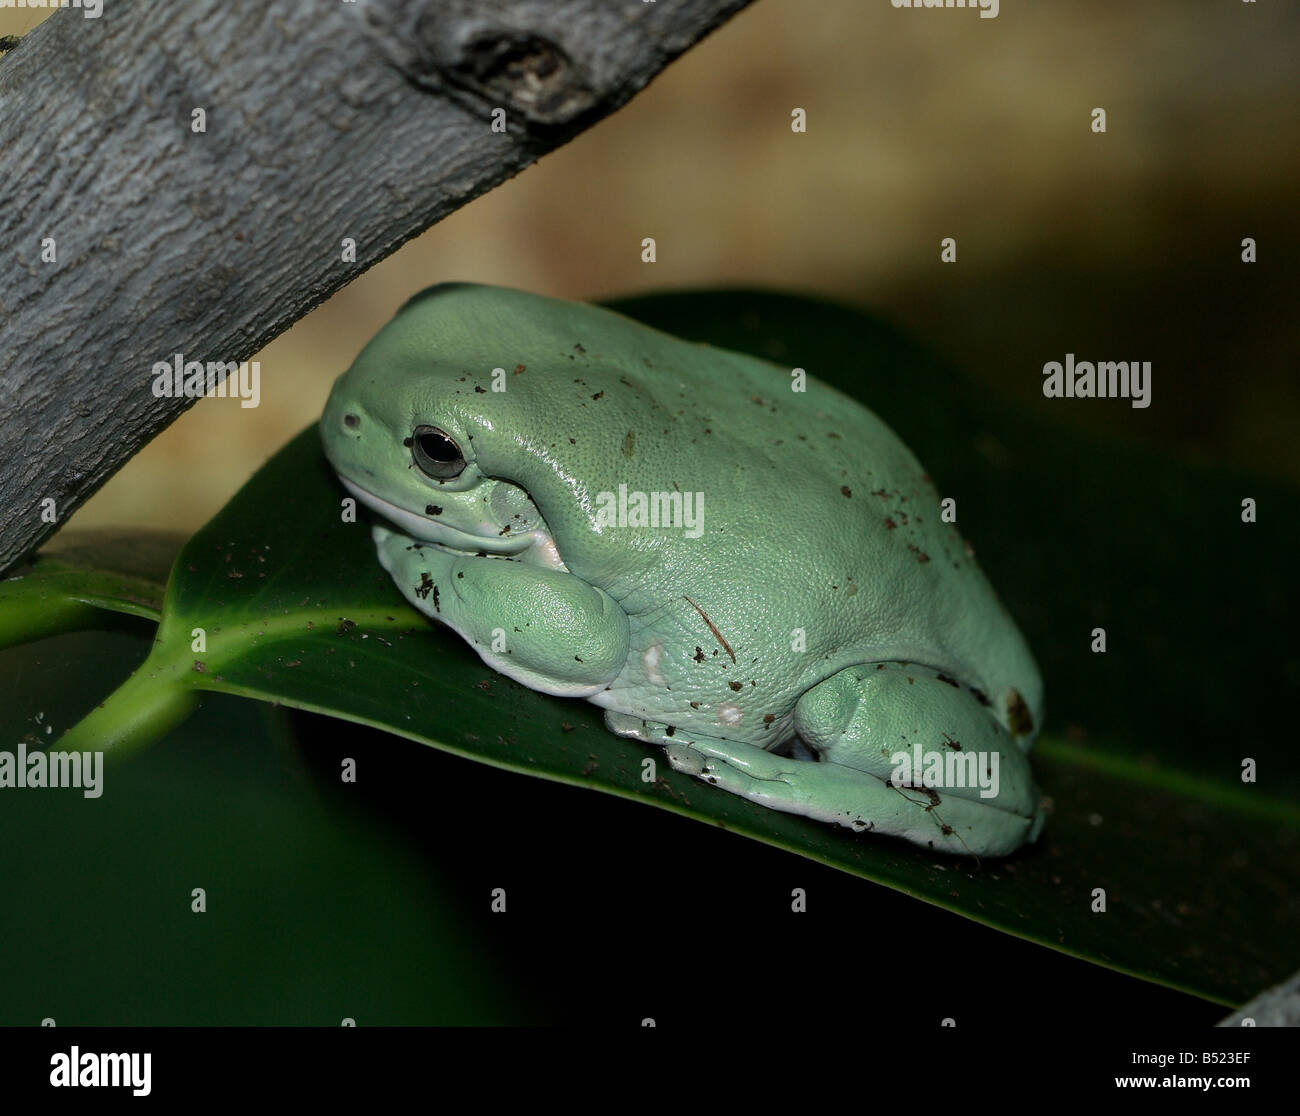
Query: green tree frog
736	562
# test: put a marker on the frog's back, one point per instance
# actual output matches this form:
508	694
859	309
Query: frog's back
818	520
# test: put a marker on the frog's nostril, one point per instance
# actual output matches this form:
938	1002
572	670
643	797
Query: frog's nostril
352	422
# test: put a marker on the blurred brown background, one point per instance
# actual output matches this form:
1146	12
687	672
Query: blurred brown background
921	125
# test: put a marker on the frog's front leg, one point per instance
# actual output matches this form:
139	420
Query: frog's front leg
901	751
542	627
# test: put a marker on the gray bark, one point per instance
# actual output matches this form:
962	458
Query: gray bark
325	120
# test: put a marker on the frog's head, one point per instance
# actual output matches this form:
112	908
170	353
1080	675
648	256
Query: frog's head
472	402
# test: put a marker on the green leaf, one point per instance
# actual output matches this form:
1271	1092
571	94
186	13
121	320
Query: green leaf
316	910
1144	745
87	579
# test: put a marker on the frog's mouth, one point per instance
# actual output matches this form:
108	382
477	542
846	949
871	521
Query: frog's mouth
535	546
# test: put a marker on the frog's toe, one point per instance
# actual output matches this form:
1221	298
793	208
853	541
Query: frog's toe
738	768
731	767
685	759
638	728
749	759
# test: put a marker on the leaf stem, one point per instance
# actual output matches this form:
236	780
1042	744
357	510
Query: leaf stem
141	711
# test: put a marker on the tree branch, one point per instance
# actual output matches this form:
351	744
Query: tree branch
324	121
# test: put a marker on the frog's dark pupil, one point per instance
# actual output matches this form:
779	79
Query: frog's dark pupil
436	453
438	448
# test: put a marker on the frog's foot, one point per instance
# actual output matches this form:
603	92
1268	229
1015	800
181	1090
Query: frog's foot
900	750
542	627
682	754
826	792
832	792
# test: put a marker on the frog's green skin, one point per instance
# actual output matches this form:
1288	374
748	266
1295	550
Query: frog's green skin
825	609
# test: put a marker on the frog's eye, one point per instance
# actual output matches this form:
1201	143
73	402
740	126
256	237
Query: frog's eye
435	454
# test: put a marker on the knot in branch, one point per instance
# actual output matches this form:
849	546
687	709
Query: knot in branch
519	54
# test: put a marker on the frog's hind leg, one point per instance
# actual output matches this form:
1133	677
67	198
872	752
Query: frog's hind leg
965	779
861	724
